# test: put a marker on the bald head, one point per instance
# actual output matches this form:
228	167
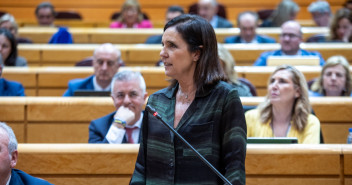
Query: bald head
207	9
291	37
107	47
106	62
292	25
247	22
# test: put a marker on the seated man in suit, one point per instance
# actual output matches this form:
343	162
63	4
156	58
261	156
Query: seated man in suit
106	62
124	125
8	160
45	14
9	88
290	40
247	22
208	9
172	12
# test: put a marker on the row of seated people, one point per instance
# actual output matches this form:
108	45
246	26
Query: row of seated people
282	85
290	40
340	30
132	16
104	74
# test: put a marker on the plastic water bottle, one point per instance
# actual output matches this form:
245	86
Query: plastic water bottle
349	137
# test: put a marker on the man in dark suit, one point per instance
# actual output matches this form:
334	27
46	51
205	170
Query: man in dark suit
247	22
106	62
172	12
8	160
123	126
9	88
208	9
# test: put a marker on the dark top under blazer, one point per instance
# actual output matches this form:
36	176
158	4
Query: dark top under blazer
19	177
214	124
79	84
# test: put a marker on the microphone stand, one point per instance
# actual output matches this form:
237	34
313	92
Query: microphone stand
155	114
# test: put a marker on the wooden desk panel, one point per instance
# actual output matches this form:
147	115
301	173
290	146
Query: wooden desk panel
19	74
12	110
77	159
335	132
72	109
74	132
60	76
60	163
347	151
292	180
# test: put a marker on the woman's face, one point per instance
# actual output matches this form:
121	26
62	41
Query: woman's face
344	28
334	80
281	89
5	47
130	15
178	60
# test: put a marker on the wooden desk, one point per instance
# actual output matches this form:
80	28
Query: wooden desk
137	36
87	164
148	55
53	81
347	151
66	120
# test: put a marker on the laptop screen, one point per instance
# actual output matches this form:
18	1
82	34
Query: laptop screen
272	140
91	93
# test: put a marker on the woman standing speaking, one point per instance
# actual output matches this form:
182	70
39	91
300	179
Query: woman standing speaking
202	108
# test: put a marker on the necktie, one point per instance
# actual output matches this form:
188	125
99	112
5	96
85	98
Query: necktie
129	134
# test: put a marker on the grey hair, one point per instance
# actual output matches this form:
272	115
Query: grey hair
319	6
12	146
213	2
252	13
9	18
45	5
108	47
128	76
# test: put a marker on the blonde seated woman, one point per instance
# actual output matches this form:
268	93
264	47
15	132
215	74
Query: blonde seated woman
285	111
228	66
334	80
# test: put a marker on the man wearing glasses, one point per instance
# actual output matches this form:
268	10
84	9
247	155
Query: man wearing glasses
290	40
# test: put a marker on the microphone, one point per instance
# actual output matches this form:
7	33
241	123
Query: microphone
152	111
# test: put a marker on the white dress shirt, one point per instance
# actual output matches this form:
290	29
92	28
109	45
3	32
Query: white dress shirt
115	135
97	87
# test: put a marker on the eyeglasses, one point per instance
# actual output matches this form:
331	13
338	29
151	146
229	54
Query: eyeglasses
289	35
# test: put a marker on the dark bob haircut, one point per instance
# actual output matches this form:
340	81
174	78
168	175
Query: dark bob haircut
11	59
199	36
